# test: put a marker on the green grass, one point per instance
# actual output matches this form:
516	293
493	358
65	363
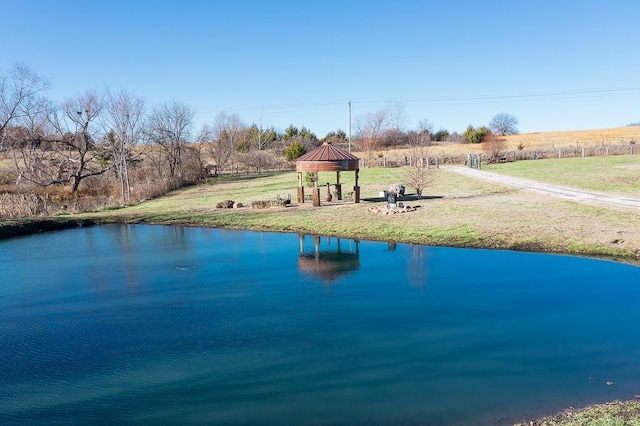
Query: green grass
613	174
616	413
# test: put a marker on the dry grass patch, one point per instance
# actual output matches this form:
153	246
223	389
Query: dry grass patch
616	135
543	140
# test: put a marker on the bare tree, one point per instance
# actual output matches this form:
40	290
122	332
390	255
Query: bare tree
77	155
504	124
397	122
418	175
493	147
67	150
426	127
259	140
370	128
21	100
224	137
397	116
123	121
169	127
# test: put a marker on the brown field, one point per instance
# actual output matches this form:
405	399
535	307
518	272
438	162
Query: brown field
540	140
617	135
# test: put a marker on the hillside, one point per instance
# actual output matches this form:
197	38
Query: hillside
616	135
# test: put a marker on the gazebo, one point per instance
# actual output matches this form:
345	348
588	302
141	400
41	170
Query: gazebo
327	158
330	263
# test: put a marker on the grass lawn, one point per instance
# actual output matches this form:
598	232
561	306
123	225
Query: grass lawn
618	174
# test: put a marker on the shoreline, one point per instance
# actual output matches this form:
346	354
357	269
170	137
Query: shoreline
26	227
16	228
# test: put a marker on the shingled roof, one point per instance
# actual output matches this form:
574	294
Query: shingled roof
327	158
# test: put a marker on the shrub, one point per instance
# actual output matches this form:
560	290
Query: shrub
295	150
473	135
310	179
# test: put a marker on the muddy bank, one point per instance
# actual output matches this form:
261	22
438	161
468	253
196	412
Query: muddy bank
19	228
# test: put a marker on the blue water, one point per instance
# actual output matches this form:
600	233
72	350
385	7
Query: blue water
151	324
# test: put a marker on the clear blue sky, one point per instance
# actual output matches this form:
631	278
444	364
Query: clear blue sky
555	64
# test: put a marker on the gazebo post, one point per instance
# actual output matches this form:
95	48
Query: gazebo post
338	186
316	191
300	189
356	190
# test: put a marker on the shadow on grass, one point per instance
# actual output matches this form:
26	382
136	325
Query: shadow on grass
404	198
226	178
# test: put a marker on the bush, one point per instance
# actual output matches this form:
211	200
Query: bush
473	135
441	135
295	150
310	179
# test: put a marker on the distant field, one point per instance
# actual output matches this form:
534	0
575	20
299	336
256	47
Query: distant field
543	140
617	135
618	174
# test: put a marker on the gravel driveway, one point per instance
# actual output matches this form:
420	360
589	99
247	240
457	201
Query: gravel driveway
560	191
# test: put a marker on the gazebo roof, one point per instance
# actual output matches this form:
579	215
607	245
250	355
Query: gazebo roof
327	158
329	266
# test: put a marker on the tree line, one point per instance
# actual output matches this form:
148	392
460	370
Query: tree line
113	142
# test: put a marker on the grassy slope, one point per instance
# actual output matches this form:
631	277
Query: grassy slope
618	174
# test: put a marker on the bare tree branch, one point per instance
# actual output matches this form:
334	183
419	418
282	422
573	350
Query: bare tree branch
21	99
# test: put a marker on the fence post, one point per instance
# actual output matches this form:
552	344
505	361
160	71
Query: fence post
437	163
583	152
559	153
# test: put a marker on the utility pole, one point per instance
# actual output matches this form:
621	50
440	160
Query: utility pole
349	126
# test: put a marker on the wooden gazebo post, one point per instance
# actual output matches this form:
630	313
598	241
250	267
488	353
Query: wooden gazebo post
300	188
356	190
338	186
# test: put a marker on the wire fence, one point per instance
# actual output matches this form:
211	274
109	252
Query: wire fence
507	156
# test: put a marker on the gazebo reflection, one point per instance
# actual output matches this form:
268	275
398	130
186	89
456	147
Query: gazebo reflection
336	258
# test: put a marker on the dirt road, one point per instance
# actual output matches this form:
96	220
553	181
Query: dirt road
560	191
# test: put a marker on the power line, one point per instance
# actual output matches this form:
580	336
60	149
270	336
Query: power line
453	99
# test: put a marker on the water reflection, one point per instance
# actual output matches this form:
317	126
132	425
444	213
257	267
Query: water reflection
157	325
330	260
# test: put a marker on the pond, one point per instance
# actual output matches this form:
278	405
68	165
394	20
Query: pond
154	324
